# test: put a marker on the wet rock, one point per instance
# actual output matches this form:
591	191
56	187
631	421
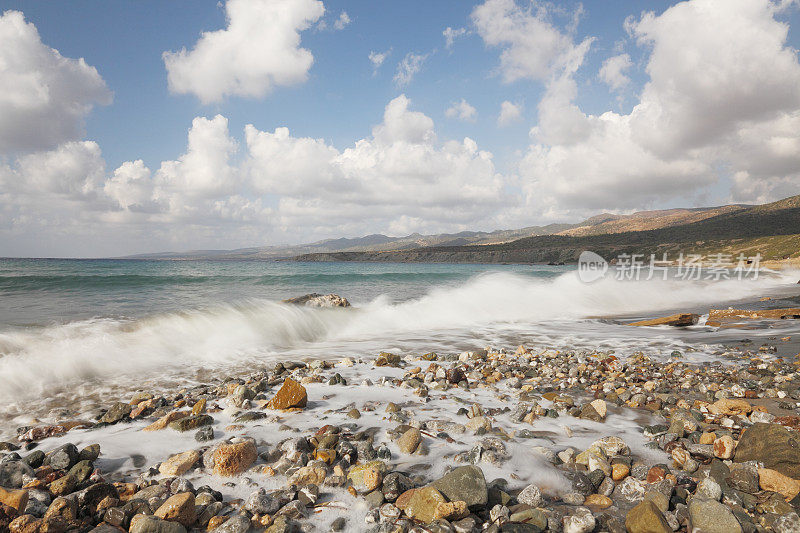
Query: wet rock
189	423
235	458
178	508
63	457
773	445
530	495
368	476
204	434
423	503
319	300
710	516
116	413
409	441
179	464
646	517
151	524
465	483
394	484
581	522
165	420
16	499
237	523
291	394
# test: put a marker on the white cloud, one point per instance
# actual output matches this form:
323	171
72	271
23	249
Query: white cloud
342	21
377	58
273	186
723	97
509	113
450	35
461	110
408	68
257	51
44	97
533	47
612	72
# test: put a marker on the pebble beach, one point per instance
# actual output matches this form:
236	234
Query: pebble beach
487	440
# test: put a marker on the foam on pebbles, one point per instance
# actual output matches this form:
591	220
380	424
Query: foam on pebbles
488	440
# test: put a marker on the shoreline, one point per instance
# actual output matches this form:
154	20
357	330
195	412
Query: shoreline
544	440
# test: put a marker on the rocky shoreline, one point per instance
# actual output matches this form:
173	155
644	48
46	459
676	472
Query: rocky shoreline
490	440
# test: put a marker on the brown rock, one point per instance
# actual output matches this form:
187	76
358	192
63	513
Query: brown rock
656	474
723	447
66	508
730	406
646	517
233	459
179	464
19	524
423	504
774	481
216	521
16	499
63	485
619	471
126	490
598	502
291	394
199	407
179	508
402	501
409	441
165	420
681	319
451	510
774	314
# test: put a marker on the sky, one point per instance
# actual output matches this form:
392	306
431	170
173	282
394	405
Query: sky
133	127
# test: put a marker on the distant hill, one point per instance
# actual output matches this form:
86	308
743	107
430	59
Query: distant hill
770	229
597	225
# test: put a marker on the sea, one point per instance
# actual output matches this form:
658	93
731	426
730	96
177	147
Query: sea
78	334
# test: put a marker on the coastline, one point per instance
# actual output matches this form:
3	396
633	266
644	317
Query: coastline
532	441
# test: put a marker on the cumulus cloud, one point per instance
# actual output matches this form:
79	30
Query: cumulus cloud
723	98
271	186
44	97
461	110
257	51
532	46
408	68
612	72
509	113
450	35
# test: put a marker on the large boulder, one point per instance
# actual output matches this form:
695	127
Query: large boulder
773	445
319	300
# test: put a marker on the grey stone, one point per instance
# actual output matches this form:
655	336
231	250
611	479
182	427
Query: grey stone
465	483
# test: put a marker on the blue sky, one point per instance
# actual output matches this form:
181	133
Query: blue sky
541	169
125	40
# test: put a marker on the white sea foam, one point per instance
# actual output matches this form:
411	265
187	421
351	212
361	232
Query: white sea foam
489	307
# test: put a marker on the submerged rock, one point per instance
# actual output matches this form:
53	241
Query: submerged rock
319	300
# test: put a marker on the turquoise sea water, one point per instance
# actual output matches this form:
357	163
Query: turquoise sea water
45	291
77	331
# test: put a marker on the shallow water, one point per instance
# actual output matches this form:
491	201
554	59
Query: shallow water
79	333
